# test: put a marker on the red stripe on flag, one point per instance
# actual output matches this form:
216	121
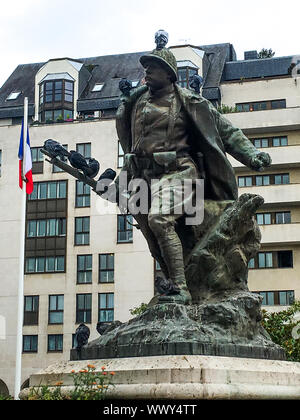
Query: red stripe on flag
29	183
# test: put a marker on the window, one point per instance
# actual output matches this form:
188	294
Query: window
263	180
120	156
283	217
49	190
272	259
261	105
53	264
271	298
55	342
56	309
13	96
83	194
84	269
106	268
30	343
184	74
36	154
245	181
84	308
285	259
282	179
263	218
97	87
279	141
265	259
106	307
84	149
56	100
49	227
124	228
273	218
31	310
82	231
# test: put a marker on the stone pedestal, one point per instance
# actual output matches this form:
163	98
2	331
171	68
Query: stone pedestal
185	377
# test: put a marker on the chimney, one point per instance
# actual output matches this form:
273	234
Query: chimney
250	55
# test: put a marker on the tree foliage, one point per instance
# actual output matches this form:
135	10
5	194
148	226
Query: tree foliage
284	329
266	53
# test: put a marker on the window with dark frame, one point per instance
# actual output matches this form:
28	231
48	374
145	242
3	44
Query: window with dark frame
106	268
31	310
55	343
278	297
53	264
83	194
272	259
84	269
82	230
261	105
263	180
56	100
48	190
125	231
273	218
184	75
46	228
37	160
30	343
84	149
83	308
279	141
56	309
106	307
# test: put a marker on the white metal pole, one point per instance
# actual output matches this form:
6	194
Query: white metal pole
19	343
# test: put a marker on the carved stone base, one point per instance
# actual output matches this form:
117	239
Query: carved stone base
183	377
227	327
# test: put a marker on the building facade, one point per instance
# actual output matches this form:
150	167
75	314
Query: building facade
84	262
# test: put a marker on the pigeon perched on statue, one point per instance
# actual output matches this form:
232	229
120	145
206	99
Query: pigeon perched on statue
55	149
104	180
101	327
161	39
82	335
125	86
94	167
79	162
196	82
165	286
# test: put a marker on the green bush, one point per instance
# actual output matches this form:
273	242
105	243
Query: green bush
284	329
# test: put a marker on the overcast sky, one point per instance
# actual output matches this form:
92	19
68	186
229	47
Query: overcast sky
37	30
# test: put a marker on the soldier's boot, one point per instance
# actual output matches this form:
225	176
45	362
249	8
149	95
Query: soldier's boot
171	249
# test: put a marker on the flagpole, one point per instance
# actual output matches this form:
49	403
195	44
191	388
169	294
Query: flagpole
20	306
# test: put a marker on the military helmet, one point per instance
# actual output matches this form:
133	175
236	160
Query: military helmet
161	55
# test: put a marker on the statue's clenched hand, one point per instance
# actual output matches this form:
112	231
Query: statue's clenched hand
260	161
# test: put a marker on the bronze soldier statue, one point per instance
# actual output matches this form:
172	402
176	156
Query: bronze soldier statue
170	133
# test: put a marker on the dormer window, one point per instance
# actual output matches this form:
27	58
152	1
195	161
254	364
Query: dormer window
56	99
186	69
98	87
13	96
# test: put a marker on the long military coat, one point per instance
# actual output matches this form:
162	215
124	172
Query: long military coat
210	133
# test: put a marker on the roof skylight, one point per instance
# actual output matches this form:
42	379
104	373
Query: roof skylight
13	96
97	87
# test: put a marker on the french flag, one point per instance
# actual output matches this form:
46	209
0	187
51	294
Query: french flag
28	162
